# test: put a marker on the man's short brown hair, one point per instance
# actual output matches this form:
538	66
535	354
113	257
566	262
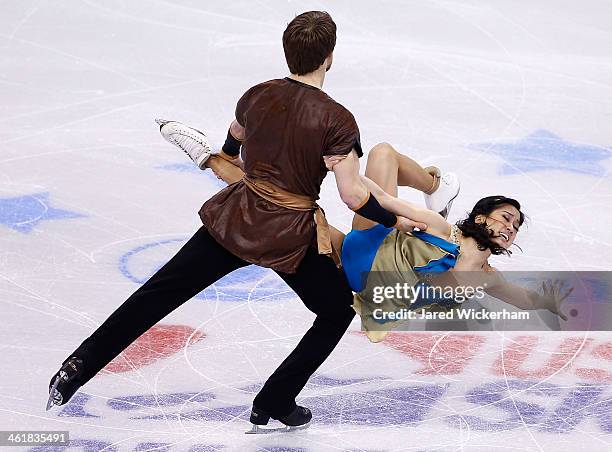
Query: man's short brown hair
308	40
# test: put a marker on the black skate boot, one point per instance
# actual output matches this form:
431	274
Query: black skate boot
65	382
298	419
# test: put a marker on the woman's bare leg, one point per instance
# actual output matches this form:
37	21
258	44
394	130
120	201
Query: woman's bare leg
387	167
390	169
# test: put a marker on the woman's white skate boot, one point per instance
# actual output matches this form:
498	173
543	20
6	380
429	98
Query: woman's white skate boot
193	142
448	189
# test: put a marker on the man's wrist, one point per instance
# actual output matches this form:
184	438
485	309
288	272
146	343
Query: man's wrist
231	147
397	222
372	210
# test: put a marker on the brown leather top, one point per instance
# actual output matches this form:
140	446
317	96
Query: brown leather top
289	126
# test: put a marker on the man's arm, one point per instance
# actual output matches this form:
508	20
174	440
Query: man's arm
230	150
359	197
352	190
237	130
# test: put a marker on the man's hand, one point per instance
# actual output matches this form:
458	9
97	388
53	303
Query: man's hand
407	225
332	160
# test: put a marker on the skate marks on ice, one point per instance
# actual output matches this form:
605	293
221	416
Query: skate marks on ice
448	388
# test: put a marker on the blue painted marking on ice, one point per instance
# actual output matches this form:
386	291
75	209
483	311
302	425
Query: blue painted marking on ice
124	260
318	381
76	407
405	405
161	447
251	283
582	402
543	150
23	213
206	448
181	168
85	445
517	412
222	414
520	403
281	449
128	403
191	168
322	380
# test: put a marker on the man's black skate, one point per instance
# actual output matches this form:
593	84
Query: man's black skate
298	419
65	382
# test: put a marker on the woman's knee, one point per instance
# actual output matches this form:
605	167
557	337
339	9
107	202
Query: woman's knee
382	151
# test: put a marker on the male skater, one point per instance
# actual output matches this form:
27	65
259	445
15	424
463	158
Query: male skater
269	218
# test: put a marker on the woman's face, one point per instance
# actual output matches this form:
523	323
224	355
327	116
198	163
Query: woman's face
504	222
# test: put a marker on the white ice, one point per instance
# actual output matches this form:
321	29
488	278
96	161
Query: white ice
514	96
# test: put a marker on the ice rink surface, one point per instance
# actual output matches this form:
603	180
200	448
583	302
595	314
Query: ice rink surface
514	96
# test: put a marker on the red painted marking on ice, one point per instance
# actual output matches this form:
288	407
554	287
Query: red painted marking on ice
159	342
512	359
440	354
603	351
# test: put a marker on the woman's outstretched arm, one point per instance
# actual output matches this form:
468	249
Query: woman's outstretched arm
554	293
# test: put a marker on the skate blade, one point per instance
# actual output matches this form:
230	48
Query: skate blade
259	430
54	394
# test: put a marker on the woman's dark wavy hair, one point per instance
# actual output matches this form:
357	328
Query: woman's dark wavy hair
479	231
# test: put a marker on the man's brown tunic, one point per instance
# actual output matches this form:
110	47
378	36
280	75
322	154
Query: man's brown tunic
289	127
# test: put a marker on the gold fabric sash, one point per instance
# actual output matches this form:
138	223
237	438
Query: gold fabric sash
293	201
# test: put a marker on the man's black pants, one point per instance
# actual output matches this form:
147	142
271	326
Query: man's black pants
198	264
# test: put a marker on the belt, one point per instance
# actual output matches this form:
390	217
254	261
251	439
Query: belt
283	198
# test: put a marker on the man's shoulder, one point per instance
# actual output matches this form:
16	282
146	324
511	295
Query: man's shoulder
266	84
260	87
335	106
325	102
337	110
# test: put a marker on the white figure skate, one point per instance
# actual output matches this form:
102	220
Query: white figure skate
193	142
442	199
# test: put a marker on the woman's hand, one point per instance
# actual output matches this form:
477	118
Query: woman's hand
554	293
407	225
